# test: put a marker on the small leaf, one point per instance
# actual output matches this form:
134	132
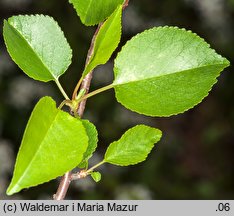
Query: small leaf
53	143
165	71
38	46
133	147
106	41
92	145
92	12
96	176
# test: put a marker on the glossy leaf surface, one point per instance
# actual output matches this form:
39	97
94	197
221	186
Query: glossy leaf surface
92	12
53	143
133	147
106	41
38	46
165	71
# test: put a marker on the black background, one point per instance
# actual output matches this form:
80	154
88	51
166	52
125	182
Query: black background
194	160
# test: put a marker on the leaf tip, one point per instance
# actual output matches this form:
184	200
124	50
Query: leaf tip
226	62
12	189
4	21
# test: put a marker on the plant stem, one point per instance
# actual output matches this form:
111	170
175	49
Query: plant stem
85	83
125	4
105	88
87	80
61	89
85	173
63	186
66	179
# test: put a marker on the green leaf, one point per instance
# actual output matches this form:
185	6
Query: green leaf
92	12
96	176
53	143
92	144
106	41
165	71
133	147
38	46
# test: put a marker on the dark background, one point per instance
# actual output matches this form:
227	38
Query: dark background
194	160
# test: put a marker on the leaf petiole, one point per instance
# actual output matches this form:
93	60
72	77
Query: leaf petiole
94	167
65	102
61	89
105	88
77	88
85	173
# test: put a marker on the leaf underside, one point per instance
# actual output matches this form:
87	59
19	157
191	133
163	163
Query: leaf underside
53	143
92	12
165	71
38	46
92	144
107	40
133	147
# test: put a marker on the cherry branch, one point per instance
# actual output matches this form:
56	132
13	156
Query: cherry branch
68	177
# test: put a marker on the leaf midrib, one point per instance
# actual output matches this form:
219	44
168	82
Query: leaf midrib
30	47
86	12
38	149
108	30
97	48
162	75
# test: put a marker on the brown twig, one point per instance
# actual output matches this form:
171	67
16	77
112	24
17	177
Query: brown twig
68	177
63	186
87	80
125	4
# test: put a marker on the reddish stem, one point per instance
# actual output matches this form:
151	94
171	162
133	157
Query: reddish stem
125	4
87	80
67	178
63	186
